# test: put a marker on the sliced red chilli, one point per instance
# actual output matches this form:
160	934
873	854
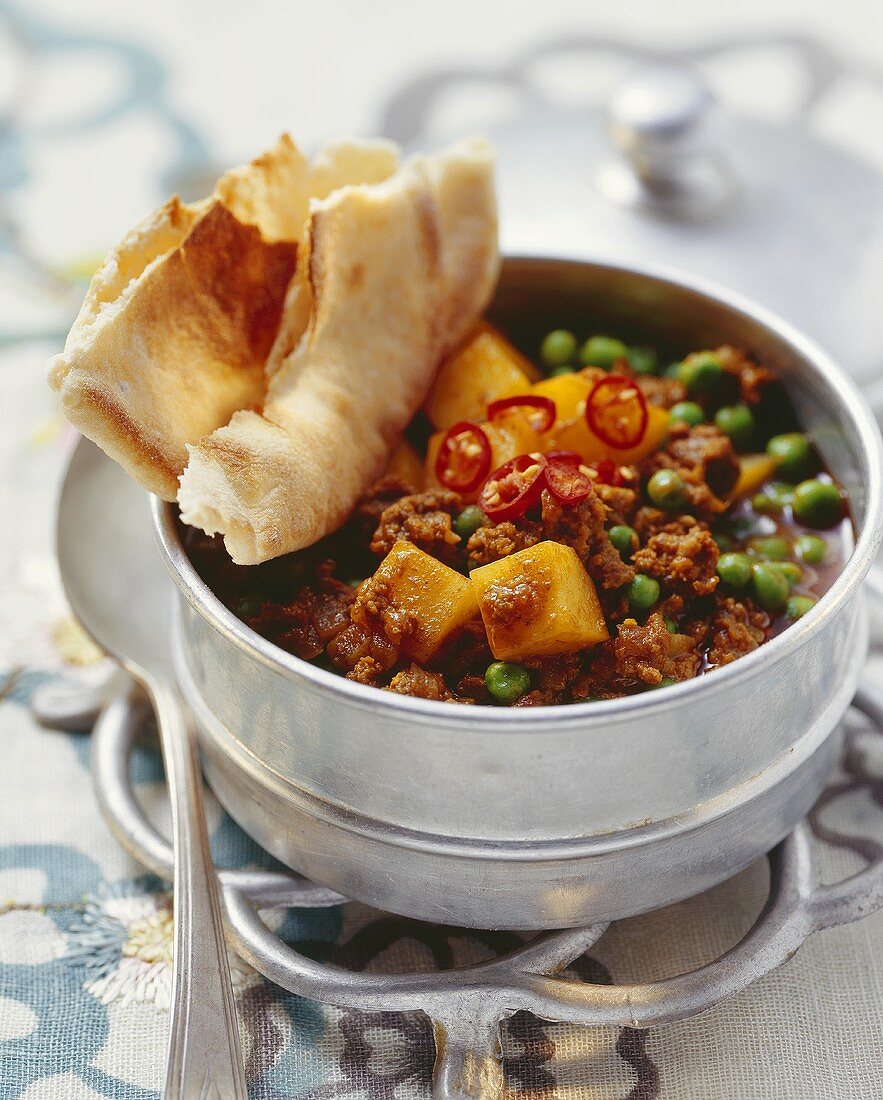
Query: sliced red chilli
464	457
514	487
543	418
569	482
616	411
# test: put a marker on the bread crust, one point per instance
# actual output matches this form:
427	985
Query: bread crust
391	277
178	323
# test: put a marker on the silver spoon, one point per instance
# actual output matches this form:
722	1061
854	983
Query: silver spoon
111	573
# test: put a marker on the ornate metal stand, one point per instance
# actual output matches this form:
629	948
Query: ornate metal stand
467	1005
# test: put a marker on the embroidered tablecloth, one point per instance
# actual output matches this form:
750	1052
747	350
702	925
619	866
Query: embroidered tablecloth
85	935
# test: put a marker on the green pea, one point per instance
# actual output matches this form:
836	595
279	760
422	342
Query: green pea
797	606
794	453
642	360
562	368
791	571
625	539
773	499
724	541
506	682
817	503
667	682
670	625
602	351
771	547
249	607
688	411
701	374
737	422
643	593
468	521
559	347
734	569
354	583
673	370
771	588
811	548
666	489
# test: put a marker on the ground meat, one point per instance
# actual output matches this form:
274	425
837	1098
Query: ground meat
472	688
705	459
491	543
651	653
306	624
377	611
618	500
421	683
683	556
553	675
369	509
648	520
366	654
515	600
582	527
753	379
467	652
599	678
424	519
662	391
578	525
737	628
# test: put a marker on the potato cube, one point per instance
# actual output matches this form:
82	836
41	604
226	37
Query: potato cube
578	436
568	391
419	596
483	369
754	470
538	602
405	463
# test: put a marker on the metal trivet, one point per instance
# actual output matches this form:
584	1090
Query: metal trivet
468	1004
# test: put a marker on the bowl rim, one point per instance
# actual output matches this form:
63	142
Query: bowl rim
852	409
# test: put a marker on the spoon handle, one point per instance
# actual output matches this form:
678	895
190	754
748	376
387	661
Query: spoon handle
204	1058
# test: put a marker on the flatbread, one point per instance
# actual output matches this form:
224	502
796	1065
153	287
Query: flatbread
396	275
177	324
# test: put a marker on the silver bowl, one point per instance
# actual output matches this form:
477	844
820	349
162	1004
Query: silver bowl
551	816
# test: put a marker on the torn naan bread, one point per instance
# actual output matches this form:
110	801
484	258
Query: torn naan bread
397	273
175	330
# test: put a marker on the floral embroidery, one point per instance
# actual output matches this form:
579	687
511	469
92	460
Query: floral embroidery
124	941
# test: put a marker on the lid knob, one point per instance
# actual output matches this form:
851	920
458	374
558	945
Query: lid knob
663	120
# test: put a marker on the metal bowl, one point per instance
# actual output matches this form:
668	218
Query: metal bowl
550	816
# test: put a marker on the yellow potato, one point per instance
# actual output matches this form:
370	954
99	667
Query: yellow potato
578	436
538	602
406	464
754	470
437	599
568	391
483	369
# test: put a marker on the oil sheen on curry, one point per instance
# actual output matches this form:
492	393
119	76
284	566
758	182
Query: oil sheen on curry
603	525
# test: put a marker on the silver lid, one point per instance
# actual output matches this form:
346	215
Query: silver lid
666	123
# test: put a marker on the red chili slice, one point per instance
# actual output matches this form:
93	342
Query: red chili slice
568	457
617	412
607	471
567	481
545	406
514	487
464	457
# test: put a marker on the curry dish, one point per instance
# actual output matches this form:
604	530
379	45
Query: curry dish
602	526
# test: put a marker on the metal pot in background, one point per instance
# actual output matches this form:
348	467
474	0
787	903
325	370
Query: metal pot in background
551	816
652	167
